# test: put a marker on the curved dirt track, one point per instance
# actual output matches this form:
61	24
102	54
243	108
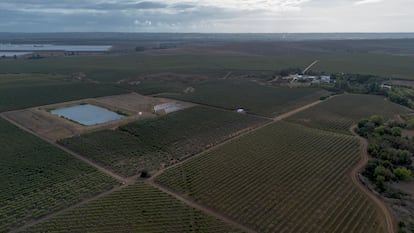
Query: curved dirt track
386	215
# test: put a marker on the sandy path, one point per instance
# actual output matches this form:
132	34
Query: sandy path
78	156
202	208
49	216
216	214
128	181
310	66
385	214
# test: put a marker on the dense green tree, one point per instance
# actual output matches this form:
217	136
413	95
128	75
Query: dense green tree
377	120
396	131
402	173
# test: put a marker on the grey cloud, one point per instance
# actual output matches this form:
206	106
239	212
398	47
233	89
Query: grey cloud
193	15
150	5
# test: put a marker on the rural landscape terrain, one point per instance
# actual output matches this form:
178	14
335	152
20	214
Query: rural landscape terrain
113	132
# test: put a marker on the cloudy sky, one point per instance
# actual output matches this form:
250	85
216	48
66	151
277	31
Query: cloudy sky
206	16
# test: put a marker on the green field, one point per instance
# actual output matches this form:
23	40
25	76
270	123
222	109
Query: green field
254	98
38	179
384	65
19	91
136	208
149	144
281	178
112	68
291	176
339	113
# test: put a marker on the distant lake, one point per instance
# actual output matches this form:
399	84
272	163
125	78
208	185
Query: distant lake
50	47
11	54
87	114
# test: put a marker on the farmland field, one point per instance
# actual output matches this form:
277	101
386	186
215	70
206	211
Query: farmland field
136	208
281	178
254	98
218	60
341	112
19	91
38	179
151	143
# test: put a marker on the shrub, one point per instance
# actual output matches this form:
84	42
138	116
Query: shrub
402	173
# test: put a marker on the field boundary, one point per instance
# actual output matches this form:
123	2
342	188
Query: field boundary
260	126
86	201
76	155
200	207
385	213
151	181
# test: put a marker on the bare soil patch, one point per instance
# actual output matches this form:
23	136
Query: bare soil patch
408	133
405	186
52	127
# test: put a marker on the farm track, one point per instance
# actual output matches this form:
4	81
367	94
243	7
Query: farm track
310	66
385	213
78	156
124	181
204	209
216	214
47	217
387	217
273	120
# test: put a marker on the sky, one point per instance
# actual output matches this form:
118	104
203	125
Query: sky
219	16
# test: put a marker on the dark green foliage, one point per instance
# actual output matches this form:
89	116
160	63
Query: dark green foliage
38	179
164	140
392	152
339	113
403	173
136	208
402	95
288	71
358	83
376	120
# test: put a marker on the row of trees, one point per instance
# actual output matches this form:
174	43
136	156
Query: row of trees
371	84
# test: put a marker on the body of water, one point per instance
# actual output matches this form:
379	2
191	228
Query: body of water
87	114
12	54
50	47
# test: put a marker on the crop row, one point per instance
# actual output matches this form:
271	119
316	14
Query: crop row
341	112
136	208
282	178
19	91
152	143
38	179
255	98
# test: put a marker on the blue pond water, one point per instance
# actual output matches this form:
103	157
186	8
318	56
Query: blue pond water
87	114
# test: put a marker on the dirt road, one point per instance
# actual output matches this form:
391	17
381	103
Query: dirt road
128	181
204	209
310	66
47	217
387	217
78	156
151	180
